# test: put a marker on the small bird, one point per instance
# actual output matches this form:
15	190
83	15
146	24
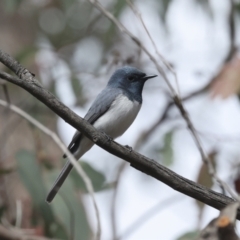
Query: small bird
112	112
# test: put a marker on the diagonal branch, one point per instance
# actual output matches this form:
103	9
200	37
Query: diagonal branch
138	161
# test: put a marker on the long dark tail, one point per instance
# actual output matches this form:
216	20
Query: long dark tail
59	181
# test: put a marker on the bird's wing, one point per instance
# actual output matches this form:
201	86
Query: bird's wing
101	104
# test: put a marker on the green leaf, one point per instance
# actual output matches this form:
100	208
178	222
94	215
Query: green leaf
164	9
66	4
166	152
2	210
69	208
25	54
12	5
109	36
30	174
205	179
97	178
205	5
6	171
189	235
77	89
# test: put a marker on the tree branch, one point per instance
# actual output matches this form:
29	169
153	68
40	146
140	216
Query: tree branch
27	81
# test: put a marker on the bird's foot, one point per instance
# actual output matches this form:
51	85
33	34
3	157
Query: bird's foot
129	148
109	138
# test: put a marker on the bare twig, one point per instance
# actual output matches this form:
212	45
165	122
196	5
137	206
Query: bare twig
119	174
144	136
71	213
61	145
232	33
5	90
166	63
18	213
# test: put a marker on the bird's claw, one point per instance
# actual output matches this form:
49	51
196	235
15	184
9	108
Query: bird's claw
129	148
109	139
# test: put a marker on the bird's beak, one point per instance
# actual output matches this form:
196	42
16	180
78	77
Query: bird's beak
148	77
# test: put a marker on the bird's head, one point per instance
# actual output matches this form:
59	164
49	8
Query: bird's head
129	79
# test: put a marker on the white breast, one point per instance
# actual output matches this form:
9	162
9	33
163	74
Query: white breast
119	117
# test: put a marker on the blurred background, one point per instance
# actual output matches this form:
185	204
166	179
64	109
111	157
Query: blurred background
73	49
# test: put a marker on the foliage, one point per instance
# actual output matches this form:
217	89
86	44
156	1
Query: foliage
66	216
189	235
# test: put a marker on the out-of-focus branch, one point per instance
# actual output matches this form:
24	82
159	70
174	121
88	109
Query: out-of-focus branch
61	145
232	33
119	174
18	234
26	81
169	67
5	90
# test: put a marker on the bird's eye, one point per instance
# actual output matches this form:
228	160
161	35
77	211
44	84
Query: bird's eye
131	78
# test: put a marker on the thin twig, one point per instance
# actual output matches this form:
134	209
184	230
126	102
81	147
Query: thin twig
5	90
71	213
166	63
124	30
61	145
18	213
119	175
144	136
232	33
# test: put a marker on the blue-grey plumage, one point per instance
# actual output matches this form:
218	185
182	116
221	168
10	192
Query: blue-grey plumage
112	112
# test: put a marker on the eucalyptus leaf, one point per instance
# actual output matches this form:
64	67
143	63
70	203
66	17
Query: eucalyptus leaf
26	53
30	174
97	178
12	5
69	208
206	6
2	210
164	9
166	152
205	179
189	235
6	171
77	89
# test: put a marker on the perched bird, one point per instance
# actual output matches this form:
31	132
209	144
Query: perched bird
112	112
